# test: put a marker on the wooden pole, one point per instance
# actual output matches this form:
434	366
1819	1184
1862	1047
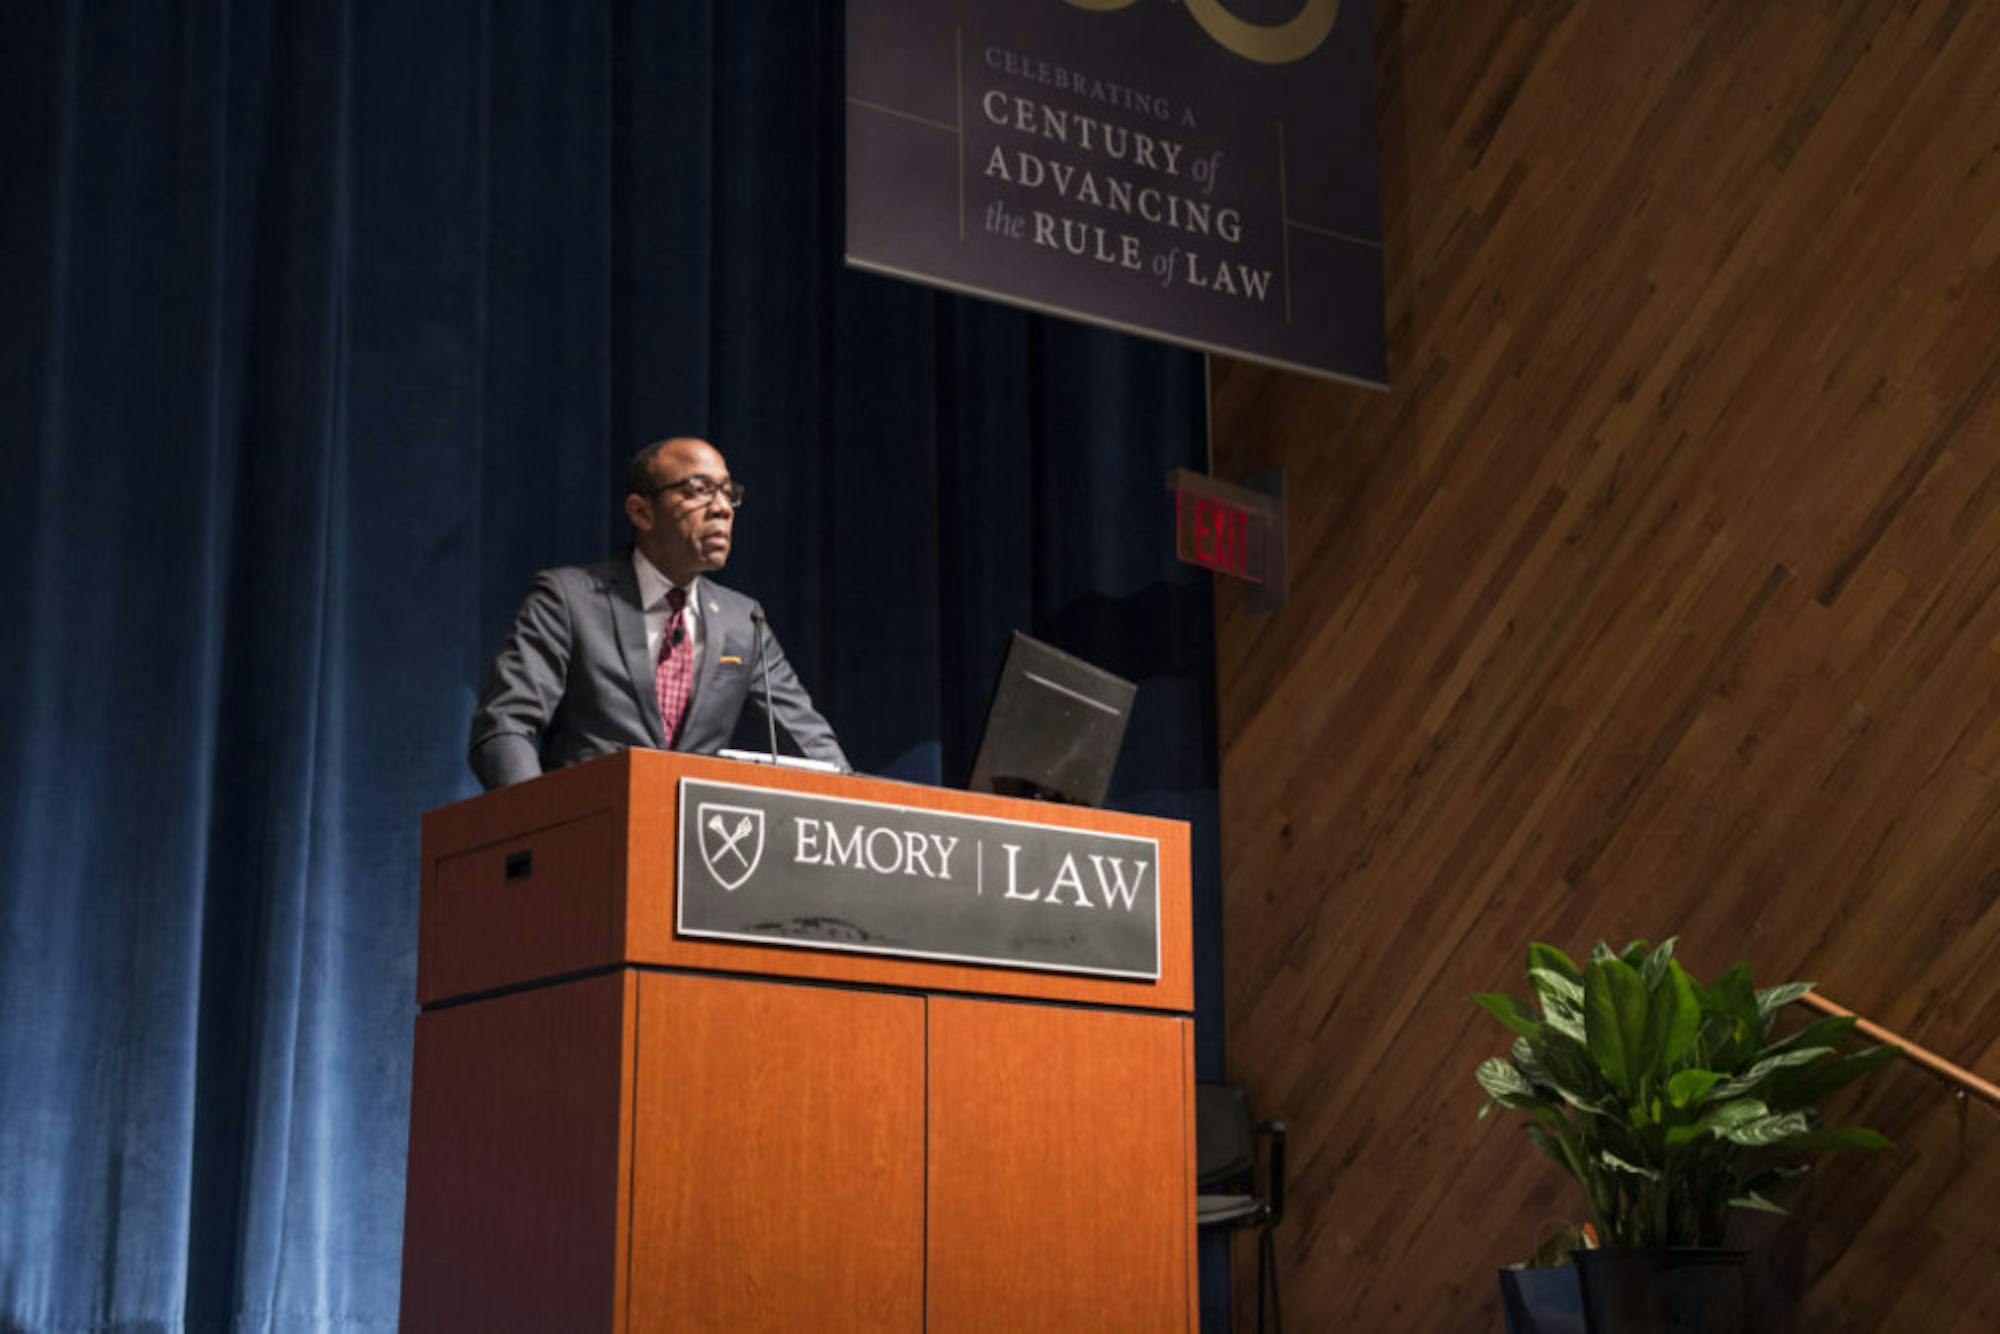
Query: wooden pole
1937	1065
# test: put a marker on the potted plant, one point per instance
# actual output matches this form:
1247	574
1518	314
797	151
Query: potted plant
1672	1104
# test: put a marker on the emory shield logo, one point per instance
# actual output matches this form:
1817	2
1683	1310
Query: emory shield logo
732	841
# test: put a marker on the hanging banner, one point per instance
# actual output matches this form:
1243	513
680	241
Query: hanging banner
1202	171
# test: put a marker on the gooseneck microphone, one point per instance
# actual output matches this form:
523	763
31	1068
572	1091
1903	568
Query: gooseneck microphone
764	661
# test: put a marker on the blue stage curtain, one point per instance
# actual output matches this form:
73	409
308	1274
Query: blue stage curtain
326	324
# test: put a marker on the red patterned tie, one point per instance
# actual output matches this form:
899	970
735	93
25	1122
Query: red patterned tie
673	676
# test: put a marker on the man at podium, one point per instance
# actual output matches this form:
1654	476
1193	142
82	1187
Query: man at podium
642	649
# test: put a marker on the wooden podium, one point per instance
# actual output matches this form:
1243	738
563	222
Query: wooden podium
617	1127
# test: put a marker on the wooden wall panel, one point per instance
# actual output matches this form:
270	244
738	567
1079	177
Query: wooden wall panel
1658	597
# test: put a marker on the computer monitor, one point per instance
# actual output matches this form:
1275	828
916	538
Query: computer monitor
1054	729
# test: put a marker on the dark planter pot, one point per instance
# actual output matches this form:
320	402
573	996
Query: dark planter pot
1541	1301
1672	1290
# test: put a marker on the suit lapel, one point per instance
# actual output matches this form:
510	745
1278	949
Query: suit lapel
628	625
713	632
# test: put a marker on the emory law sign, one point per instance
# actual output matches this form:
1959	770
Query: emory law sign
814	872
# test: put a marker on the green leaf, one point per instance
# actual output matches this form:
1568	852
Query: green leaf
1561	1000
1614	1014
1555	961
1806	1087
1732	1030
1582	1091
1547	1144
1715	1047
1509	1012
1772	1176
1767	1131
1506	1085
1734	996
1718	1121
1689	1087
1584	1103
1656	963
1772	999
1832	1138
1634	953
1750	1199
1617	1164
1552	985
1731	1115
1832	1031
1750	1080
1527	1058
1500	1079
1675	1017
1572	1073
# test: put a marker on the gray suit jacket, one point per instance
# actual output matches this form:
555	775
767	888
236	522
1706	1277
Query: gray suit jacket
573	680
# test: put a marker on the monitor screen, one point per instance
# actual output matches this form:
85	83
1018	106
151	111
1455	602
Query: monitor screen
1054	729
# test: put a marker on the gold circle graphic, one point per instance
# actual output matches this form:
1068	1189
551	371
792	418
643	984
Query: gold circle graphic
1272	44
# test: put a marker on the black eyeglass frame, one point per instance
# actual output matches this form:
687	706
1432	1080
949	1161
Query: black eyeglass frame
702	489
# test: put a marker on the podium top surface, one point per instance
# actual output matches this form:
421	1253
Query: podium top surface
584	869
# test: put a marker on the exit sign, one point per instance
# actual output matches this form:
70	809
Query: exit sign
1216	533
1234	530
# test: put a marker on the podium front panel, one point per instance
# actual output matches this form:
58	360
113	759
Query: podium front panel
1061	1184
778	1160
516	1173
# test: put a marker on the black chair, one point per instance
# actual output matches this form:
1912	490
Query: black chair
1225	1146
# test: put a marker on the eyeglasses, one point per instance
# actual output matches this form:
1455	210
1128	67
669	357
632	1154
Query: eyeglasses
702	490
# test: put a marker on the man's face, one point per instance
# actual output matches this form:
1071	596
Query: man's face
681	534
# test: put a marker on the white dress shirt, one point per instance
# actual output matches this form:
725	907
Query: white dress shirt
653	589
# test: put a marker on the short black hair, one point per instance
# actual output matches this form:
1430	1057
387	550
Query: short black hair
639	472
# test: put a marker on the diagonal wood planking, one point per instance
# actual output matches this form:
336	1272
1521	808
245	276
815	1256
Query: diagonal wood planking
1658	597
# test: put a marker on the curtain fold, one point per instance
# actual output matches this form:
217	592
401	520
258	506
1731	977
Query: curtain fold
327	324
